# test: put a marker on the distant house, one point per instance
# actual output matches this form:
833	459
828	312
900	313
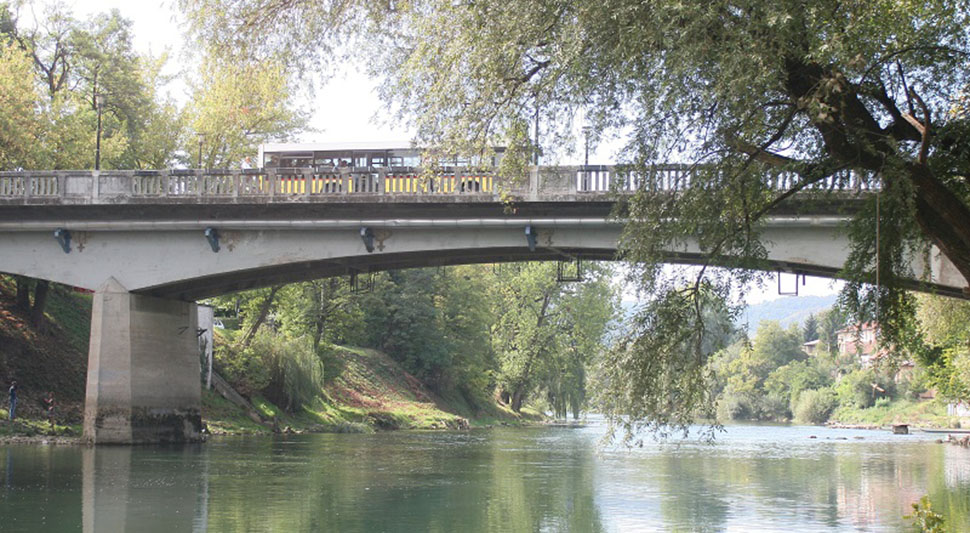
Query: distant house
810	347
860	340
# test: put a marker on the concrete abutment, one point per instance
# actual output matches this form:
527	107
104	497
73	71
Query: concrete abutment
143	370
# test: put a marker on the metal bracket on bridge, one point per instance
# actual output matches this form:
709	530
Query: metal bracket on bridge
530	236
212	235
367	235
357	286
569	271
795	293
63	237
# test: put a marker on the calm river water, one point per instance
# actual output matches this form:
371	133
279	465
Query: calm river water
754	478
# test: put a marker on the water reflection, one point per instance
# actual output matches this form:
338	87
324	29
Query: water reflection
481	481
128	489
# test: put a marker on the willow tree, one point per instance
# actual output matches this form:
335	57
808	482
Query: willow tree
740	89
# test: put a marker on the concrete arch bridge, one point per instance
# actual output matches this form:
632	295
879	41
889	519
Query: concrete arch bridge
149	243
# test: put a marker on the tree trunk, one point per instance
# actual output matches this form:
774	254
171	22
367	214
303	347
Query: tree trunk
23	293
261	317
517	398
853	136
40	301
943	218
317	333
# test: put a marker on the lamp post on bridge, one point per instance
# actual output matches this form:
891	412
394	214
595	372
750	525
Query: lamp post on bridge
98	104
201	136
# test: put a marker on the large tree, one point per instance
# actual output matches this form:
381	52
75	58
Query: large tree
827	92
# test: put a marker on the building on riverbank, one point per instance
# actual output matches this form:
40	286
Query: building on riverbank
861	341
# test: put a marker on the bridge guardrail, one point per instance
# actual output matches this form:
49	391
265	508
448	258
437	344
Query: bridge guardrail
295	184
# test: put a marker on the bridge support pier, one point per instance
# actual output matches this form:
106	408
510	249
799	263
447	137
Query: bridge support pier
143	370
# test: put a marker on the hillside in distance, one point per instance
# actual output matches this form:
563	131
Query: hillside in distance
787	310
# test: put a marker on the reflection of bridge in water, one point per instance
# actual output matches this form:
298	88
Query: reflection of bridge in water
150	242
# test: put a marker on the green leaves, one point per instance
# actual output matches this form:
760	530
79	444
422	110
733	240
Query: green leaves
237	106
85	69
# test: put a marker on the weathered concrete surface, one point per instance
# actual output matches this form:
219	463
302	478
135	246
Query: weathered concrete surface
175	261
143	370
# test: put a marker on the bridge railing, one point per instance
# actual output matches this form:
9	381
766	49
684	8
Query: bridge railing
297	184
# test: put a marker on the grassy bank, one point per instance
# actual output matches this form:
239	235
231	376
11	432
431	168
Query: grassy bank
366	391
926	413
48	357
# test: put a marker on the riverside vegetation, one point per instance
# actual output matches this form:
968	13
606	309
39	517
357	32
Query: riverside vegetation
770	376
421	349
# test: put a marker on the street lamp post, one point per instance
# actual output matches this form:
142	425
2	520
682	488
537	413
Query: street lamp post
201	139
98	102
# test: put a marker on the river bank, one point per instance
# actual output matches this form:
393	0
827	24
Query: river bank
914	413
364	391
369	392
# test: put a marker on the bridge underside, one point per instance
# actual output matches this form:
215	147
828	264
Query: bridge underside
196	289
176	260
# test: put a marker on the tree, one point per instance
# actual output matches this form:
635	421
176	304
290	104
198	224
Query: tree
830	94
524	338
21	125
258	307
236	106
59	79
588	310
944	326
326	309
830	322
810	329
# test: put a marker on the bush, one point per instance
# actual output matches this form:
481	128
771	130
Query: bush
734	407
774	406
288	372
295	368
855	388
815	405
243	369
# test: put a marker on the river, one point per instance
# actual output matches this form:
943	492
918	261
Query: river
753	478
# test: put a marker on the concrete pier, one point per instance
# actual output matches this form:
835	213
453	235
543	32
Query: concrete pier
143	370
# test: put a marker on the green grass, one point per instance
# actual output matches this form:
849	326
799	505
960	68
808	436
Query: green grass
927	413
31	427
371	392
72	312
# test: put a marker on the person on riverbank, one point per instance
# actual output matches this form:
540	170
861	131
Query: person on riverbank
49	406
13	399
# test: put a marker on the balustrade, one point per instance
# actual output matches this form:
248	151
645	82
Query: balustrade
294	184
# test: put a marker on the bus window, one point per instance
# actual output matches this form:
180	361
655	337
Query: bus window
377	161
397	161
295	162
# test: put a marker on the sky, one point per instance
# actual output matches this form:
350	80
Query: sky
344	107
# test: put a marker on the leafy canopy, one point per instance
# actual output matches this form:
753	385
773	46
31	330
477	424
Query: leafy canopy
827	92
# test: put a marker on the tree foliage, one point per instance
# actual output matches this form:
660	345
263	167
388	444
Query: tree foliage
824	92
546	334
235	107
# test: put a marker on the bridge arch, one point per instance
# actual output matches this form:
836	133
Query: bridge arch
150	243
